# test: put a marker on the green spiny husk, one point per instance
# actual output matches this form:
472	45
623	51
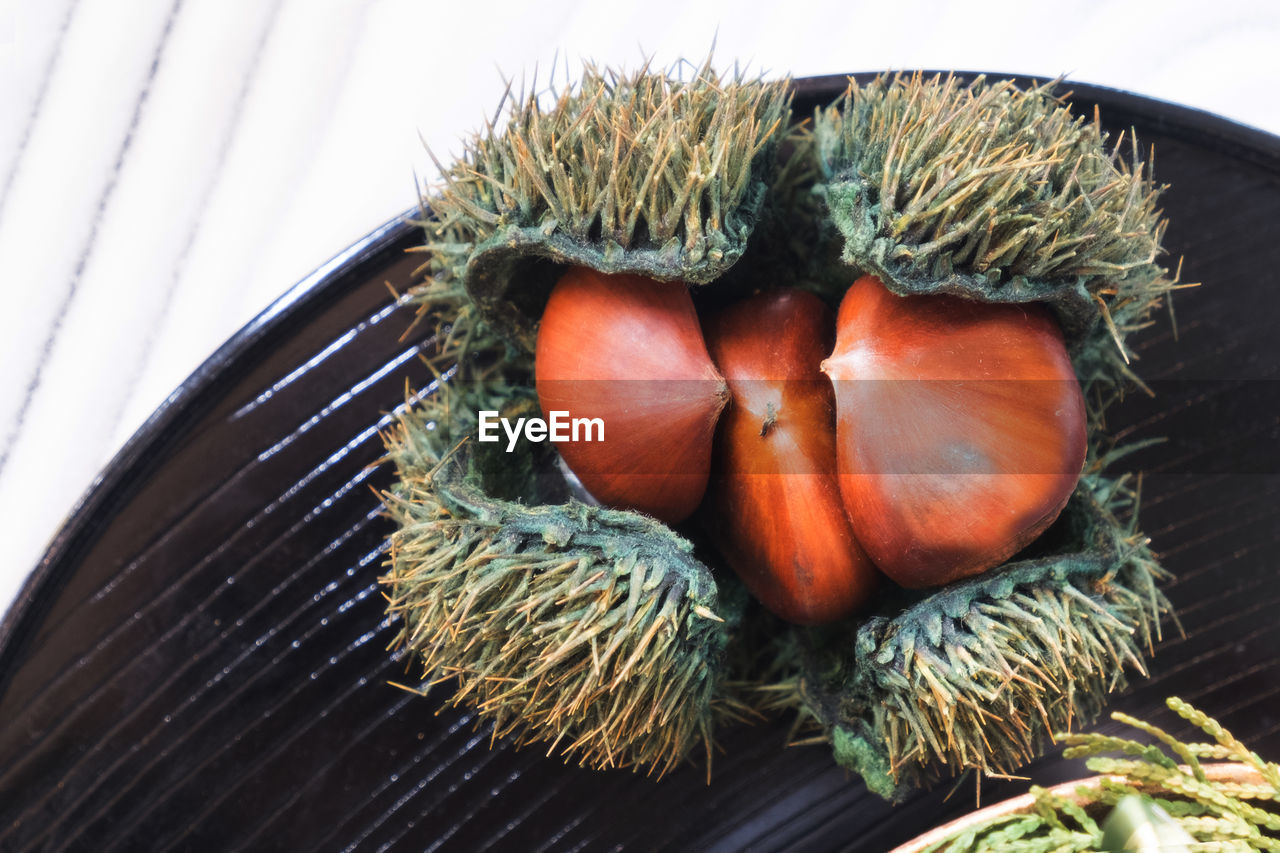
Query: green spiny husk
991	192
978	674
1218	815
642	173
499	228
590	628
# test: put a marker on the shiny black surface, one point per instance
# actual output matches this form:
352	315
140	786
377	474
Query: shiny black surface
199	662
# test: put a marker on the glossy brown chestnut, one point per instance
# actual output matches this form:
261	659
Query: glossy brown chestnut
775	510
629	351
960	429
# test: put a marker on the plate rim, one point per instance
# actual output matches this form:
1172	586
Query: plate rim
128	467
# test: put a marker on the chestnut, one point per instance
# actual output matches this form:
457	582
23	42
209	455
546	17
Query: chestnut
960	429
629	351
775	510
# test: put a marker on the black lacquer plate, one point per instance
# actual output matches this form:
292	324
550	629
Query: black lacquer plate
200	660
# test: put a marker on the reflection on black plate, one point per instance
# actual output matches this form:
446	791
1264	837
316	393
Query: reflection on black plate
200	660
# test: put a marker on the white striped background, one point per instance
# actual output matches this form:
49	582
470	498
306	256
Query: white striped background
168	167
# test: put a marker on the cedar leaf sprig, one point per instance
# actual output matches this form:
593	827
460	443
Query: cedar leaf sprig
1210	802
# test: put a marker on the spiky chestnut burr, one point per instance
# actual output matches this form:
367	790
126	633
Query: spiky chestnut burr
505	287
592	630
642	173
656	174
981	673
992	192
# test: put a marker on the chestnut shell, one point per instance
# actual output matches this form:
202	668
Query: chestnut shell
775	508
961	429
629	351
